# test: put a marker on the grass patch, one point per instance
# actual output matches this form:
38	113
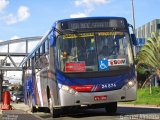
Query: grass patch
144	96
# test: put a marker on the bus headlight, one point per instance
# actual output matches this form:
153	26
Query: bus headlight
67	89
129	84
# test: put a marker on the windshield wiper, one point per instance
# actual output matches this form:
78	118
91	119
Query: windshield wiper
67	31
71	31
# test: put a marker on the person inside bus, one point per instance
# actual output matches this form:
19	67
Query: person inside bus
64	55
64	59
103	53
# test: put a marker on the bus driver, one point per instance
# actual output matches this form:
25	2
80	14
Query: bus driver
103	53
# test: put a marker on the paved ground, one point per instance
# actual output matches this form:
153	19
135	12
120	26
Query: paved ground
0	112
124	112
20	112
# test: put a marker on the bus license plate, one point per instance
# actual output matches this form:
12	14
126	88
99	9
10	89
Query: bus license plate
98	98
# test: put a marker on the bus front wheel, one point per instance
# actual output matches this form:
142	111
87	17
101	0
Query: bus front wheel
111	108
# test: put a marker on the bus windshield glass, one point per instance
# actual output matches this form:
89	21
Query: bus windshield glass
93	51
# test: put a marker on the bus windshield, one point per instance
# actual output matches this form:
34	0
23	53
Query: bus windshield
94	51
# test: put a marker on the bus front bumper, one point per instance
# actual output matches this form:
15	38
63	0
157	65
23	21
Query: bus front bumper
88	98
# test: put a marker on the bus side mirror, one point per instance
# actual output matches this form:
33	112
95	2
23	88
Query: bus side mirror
134	40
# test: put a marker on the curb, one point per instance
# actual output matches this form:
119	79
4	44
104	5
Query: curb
139	105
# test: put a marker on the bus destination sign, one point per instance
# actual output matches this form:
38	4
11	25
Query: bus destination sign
93	24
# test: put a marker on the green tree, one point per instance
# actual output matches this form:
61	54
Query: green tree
149	57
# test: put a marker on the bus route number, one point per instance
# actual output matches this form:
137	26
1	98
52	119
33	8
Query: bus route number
109	85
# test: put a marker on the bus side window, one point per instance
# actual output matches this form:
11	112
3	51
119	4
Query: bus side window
33	61
38	53
26	64
35	58
40	61
47	46
41	51
29	63
43	48
45	52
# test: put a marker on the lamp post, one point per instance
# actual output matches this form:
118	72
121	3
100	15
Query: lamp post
133	22
133	18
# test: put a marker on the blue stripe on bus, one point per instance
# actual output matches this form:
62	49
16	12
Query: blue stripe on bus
30	89
100	84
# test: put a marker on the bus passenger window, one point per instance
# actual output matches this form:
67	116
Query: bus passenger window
46	46
41	51
26	64
38	53
43	48
35	58
29	63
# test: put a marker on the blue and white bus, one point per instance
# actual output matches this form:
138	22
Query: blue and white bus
69	69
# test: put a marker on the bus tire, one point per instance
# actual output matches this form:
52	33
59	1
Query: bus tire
111	108
54	112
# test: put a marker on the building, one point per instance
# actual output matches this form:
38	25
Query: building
146	30
143	32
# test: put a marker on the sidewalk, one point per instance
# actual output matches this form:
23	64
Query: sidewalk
16	106
20	111
20	105
0	111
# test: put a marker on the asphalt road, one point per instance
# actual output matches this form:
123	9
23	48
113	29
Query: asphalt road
123	113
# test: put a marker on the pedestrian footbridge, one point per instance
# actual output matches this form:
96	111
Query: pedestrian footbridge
13	52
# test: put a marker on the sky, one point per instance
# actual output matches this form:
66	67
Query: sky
27	18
